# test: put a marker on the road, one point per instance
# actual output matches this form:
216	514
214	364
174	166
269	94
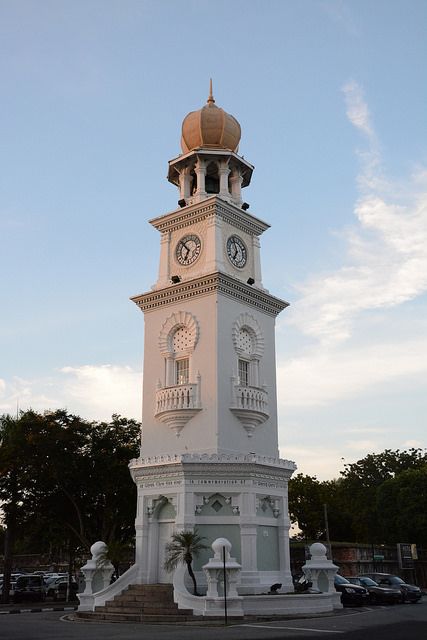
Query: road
401	622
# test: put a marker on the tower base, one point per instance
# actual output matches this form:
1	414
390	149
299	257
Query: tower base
243	498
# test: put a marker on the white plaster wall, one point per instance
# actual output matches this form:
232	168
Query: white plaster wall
232	435
213	233
214	429
186	489
200	433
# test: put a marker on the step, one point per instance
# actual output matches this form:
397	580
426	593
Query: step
137	608
125	597
142	603
132	595
151	588
158	606
113	608
127	617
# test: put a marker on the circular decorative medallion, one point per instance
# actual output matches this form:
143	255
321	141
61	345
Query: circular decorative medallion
236	251
188	250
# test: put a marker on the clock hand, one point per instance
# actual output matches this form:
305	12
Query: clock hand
184	245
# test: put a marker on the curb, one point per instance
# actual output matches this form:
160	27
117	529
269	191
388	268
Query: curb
38	610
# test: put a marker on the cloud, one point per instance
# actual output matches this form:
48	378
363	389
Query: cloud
93	391
357	109
322	376
322	462
386	262
413	444
340	12
381	430
385	266
361	445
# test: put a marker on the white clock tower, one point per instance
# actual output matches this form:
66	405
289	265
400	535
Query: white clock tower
209	452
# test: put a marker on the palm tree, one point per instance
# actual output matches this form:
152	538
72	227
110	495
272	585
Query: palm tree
183	546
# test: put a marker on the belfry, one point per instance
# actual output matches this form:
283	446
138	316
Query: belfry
209	451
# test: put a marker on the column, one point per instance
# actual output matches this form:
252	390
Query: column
257	261
248	536
164	272
184	182
236	186
223	179
284	552
200	170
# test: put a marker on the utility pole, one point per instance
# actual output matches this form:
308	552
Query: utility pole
325	513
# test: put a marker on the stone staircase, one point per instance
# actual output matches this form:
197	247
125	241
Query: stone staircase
149	603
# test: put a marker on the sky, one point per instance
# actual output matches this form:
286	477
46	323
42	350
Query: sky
331	96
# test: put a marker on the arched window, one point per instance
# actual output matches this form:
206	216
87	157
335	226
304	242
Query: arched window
249	346
177	341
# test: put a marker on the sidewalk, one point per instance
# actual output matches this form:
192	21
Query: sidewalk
37	607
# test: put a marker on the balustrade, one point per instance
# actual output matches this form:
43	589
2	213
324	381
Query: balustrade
250	398
183	396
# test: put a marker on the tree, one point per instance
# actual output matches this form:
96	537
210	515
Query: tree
181	549
65	481
14	455
307	497
306	506
374	501
360	484
402	507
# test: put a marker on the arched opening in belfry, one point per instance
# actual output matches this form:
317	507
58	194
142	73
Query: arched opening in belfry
193	183
212	178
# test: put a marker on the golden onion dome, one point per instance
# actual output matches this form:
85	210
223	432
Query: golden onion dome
210	127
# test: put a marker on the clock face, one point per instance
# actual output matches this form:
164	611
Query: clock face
188	250
236	251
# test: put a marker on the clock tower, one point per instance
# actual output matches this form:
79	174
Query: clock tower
209	452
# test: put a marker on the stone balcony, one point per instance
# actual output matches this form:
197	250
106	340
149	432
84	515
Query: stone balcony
176	405
250	406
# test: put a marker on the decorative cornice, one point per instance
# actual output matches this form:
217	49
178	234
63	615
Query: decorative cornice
214	206
217	282
252	459
212	470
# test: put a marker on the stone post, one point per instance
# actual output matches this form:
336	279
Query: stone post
97	573
320	571
214	570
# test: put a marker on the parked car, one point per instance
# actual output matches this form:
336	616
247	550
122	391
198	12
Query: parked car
378	594
56	588
29	587
409	592
351	594
13	579
54	574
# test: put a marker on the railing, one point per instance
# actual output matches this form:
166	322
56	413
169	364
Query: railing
250	399
182	396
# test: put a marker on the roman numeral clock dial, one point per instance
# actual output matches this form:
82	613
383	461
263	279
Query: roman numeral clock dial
188	250
237	252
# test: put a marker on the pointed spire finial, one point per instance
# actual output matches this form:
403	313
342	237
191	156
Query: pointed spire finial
211	99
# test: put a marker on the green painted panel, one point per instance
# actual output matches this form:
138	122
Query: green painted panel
217	505
213	531
265	509
267	548
167	512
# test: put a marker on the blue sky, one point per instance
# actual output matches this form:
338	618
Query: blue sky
331	97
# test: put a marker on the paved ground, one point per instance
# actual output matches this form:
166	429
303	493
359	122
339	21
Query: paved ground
401	622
